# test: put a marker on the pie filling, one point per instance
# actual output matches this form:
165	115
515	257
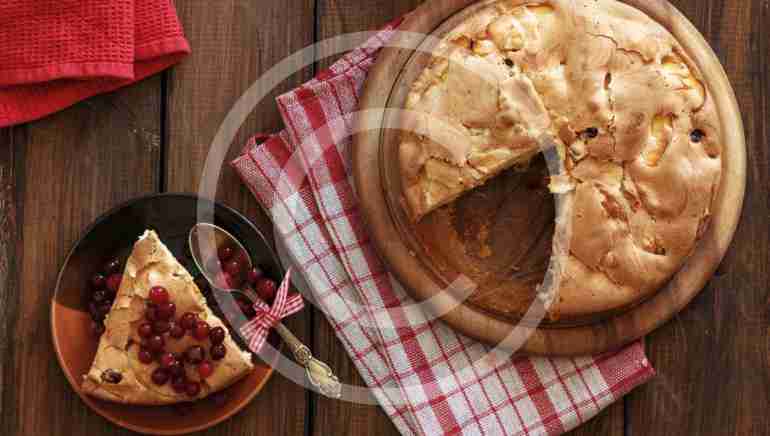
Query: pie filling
637	134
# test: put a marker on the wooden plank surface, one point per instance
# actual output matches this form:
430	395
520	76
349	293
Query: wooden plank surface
58	174
712	360
66	170
234	42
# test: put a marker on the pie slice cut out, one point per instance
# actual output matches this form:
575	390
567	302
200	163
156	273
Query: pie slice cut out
117	374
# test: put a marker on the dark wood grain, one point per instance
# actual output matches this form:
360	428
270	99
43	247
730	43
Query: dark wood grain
234	42
67	169
11	158
712	360
57	174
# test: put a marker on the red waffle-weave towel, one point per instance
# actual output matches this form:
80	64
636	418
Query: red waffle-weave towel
54	53
428	378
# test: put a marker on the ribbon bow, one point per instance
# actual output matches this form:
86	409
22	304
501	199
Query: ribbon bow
255	331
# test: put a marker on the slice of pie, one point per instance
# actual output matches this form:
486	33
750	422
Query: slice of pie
628	110
127	366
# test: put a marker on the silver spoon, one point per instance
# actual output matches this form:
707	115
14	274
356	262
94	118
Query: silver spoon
206	238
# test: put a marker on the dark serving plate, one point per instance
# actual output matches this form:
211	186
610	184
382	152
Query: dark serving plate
113	234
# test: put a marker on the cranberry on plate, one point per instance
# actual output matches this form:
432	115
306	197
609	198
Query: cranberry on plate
217	335
160	327
113	282
266	289
156	343
176	368
165	311
145	356
179	384
205	369
201	330
195	354
166	360
188	320
176	331
158	295
111	267
193	389
233	267
218	351
160	376
253	275
145	330
98	281
225	252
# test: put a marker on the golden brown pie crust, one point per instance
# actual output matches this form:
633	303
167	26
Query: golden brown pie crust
627	108
152	264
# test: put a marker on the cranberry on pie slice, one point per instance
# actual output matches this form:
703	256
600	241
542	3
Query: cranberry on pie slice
159	307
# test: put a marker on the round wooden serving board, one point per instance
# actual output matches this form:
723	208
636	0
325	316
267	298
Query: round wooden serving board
427	256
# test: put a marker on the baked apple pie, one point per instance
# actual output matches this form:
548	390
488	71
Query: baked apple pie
162	344
624	106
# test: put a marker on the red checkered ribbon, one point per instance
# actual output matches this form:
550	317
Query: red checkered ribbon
256	330
428	378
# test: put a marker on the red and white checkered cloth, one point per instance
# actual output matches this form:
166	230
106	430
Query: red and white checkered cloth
427	377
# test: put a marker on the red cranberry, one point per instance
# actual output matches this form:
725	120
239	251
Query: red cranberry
161	327
217	335
156	343
193	389
225	252
145	356
175	368
165	311
158	295
111	267
98	281
99	296
254	274
179	384
176	331
195	354
205	369
113	282
266	289
145	330
160	376
201	331
218	351
188	320
166	360
151	313
97	328
233	267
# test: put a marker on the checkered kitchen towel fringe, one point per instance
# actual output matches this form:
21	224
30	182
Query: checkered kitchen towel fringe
428	378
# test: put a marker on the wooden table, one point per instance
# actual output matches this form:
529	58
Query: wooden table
59	173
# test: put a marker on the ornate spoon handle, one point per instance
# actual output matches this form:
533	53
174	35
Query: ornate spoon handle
318	373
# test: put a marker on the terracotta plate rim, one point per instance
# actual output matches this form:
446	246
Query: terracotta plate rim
75	384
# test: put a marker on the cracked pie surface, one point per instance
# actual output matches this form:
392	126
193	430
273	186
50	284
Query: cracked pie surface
631	117
116	373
